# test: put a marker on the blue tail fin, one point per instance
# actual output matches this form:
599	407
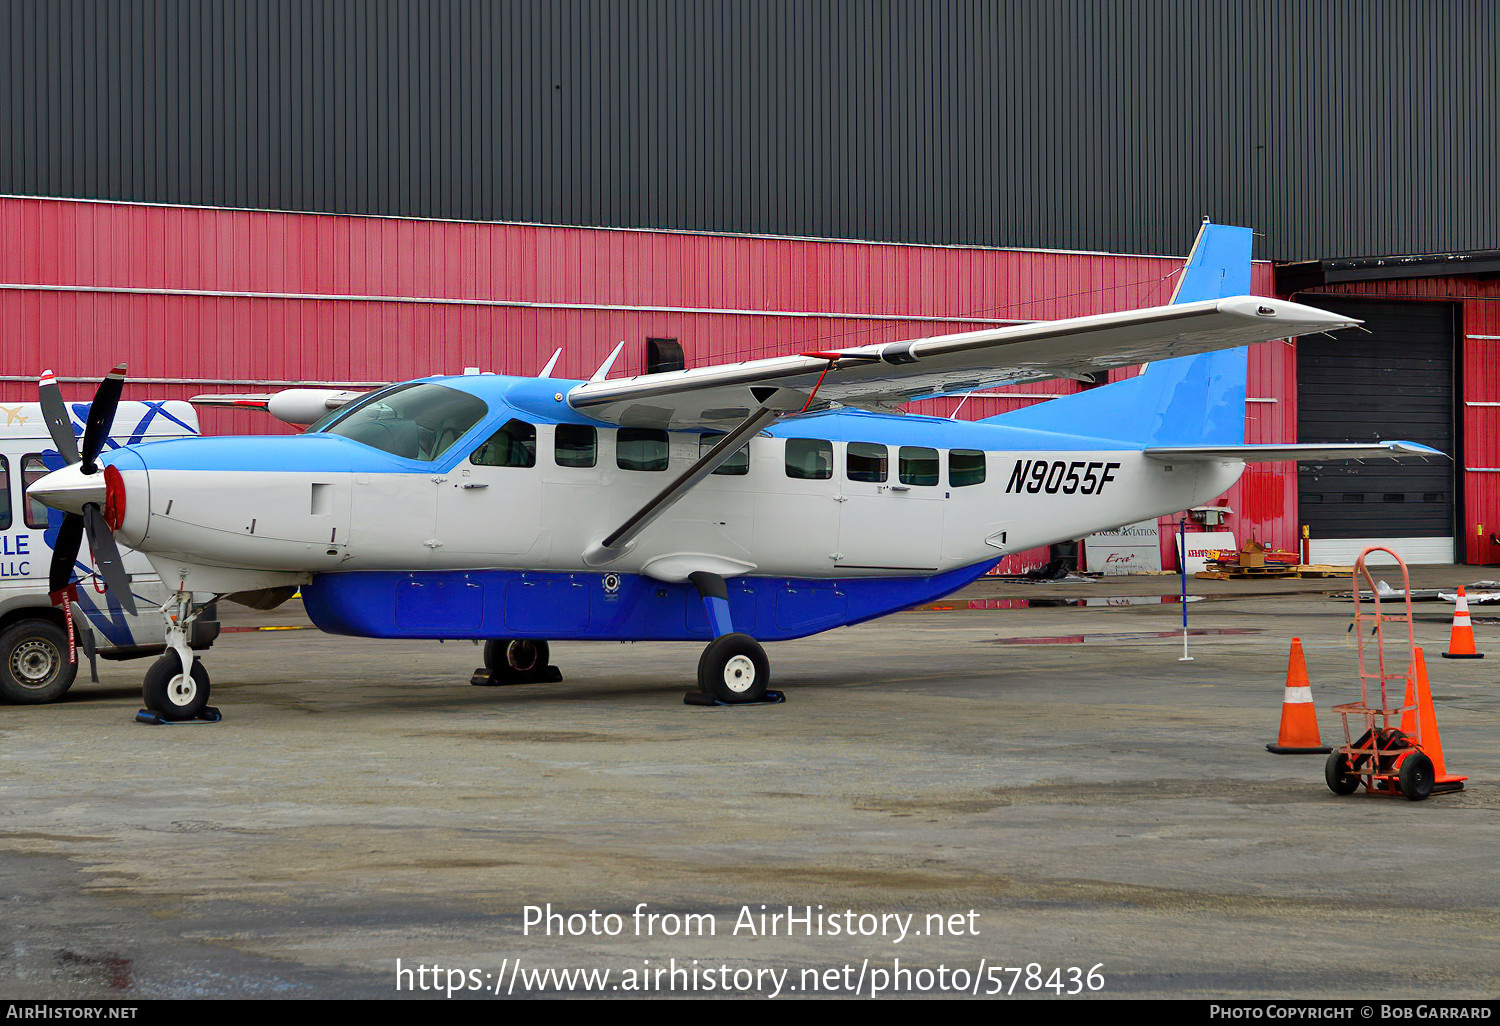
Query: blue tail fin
1192	400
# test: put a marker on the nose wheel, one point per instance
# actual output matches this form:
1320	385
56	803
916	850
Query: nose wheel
176	685
172	694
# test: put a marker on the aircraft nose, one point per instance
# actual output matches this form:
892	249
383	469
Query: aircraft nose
68	489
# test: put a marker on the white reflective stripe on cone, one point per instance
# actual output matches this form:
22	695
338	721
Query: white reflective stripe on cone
1297	696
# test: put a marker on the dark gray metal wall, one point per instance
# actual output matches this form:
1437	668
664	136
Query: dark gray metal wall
1336	128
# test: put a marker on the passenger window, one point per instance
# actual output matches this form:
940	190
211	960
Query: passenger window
577	446
33	469
809	459
4	494
641	449
965	467
738	463
867	461
918	465
514	445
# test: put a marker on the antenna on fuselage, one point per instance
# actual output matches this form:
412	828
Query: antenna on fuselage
547	370
603	371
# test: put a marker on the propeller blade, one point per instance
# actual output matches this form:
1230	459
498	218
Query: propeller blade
107	557
65	552
101	416
56	416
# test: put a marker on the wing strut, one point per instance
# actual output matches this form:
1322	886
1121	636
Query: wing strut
617	542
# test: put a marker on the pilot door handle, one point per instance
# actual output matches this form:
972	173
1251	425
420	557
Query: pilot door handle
477	484
900	488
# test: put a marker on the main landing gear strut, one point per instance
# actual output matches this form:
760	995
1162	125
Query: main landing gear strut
176	685
733	668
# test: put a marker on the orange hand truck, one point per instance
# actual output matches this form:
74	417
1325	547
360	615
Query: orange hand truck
1384	758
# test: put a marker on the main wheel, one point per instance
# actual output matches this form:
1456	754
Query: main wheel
34	665
734	668
515	658
175	695
1336	772
1416	776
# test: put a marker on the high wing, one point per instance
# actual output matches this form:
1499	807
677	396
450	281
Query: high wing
886	375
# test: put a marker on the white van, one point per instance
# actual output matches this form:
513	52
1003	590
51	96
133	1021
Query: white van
34	664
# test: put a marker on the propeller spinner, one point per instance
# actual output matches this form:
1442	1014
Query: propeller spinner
94	506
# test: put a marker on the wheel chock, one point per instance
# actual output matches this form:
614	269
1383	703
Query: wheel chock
156	719
699	698
484	678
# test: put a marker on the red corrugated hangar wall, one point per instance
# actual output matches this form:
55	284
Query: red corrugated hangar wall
200	299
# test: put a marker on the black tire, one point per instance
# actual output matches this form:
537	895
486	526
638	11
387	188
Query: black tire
734	669
34	665
1416	776
164	693
516	658
1336	772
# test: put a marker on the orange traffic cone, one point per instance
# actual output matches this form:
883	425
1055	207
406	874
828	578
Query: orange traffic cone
1461	641
1419	694
1299	721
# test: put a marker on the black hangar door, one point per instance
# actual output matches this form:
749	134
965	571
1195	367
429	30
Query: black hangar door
1396	382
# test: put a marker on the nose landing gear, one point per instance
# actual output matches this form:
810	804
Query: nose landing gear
176	687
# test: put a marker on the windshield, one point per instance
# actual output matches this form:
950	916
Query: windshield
418	421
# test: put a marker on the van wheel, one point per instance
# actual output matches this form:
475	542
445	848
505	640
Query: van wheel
34	665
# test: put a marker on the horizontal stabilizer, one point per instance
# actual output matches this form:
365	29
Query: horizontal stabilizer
1306	453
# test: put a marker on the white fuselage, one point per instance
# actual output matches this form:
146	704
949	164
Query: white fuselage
237	528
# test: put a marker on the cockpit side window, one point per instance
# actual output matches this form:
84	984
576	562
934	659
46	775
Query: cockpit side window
417	421
514	445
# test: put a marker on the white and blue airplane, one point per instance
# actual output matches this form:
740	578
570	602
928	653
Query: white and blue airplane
735	504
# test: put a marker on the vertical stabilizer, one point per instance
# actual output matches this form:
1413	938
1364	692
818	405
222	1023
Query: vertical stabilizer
1192	400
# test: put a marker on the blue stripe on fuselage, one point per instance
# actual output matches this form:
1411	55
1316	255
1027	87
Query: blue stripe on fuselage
324	453
291	453
480	604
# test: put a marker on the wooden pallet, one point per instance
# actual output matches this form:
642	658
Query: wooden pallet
1231	572
1245	573
1324	570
